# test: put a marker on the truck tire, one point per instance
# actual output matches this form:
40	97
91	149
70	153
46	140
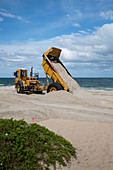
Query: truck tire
20	88
54	87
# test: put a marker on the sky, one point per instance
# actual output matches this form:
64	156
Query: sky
82	29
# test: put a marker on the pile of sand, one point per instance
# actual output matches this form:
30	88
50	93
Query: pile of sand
74	88
71	83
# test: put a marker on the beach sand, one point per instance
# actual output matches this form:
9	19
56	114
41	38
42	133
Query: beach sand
85	118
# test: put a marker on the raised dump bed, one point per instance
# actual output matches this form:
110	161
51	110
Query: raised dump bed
54	68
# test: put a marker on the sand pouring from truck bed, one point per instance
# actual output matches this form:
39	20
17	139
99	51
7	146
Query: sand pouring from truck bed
71	83
74	87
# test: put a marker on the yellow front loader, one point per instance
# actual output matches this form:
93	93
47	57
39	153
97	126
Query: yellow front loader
24	83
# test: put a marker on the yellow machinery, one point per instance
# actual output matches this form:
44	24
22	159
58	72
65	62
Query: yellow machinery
52	55
24	83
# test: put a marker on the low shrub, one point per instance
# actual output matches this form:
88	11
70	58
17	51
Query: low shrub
24	146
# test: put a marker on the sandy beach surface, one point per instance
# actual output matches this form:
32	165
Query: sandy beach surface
85	118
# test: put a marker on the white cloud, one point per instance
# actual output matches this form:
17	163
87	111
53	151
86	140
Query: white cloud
68	15
89	30
83	32
9	15
16	58
69	54
91	52
107	15
1	19
2	9
74	15
76	25
78	13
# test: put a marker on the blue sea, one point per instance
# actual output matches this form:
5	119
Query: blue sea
85	83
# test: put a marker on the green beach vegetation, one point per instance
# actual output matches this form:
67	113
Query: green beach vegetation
31	146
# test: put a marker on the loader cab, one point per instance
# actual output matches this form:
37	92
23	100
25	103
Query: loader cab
20	74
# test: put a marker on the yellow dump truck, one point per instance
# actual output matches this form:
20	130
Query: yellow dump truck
50	58
24	83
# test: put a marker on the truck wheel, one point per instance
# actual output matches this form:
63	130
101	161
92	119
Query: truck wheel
54	87
20	88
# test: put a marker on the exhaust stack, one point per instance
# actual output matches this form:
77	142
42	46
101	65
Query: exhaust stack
31	73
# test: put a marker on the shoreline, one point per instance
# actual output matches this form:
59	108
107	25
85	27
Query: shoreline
91	83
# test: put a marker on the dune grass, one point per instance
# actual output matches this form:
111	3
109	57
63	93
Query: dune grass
31	146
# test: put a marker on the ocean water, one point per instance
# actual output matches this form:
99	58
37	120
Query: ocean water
85	83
